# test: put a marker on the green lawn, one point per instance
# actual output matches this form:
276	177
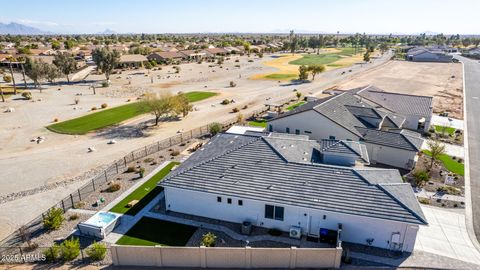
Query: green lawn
113	116
259	123
449	163
289	108
447	130
144	194
150	231
278	76
325	58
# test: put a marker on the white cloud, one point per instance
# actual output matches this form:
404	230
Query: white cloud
103	23
43	23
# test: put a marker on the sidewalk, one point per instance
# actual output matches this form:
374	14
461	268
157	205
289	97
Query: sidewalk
446	121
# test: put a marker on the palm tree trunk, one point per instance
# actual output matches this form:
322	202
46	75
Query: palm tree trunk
13	80
24	78
1	93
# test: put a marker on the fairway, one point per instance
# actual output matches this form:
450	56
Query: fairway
113	116
326	58
278	76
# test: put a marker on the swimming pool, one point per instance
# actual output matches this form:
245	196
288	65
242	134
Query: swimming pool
99	225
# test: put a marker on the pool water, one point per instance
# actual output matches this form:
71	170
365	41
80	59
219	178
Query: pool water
101	219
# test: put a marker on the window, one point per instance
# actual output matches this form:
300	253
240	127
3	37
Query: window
332	137
240	202
287	130
274	212
219	199
308	132
229	201
297	131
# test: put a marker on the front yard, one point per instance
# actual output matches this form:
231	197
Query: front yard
151	232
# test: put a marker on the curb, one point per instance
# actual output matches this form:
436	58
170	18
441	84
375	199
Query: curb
468	191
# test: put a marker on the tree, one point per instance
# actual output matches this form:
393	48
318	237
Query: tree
36	70
10	60
159	105
106	60
180	104
215	128
299	95
315	69
366	57
65	63
55	45
383	48
52	72
437	149
1	94
303	73
54	218
294	44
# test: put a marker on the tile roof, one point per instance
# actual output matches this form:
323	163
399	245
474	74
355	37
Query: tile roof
251	167
399	103
391	139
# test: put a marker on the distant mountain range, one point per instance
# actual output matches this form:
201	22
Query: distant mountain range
107	32
20	29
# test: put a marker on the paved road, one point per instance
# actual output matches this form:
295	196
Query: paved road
472	108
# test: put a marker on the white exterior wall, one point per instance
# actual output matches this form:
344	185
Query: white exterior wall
356	229
320	126
389	156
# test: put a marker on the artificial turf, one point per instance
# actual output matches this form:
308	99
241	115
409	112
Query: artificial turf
447	130
150	231
144	193
113	116
289	108
259	123
449	163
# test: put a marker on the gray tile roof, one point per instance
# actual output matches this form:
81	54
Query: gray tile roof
399	103
344	147
250	167
391	139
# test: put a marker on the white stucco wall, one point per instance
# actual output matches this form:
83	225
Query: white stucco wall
320	126
389	156
356	229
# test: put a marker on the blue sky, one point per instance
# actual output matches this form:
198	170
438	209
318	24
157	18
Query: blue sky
188	16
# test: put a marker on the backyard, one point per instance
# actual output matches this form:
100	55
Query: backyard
113	116
292	107
143	194
150	232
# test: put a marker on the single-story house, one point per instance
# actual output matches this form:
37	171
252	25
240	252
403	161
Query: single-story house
425	55
132	60
348	116
166	57
193	55
216	52
281	181
233	49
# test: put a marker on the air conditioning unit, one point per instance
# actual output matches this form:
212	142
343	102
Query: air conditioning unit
295	232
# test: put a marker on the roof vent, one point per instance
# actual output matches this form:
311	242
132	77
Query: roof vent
305	183
338	172
291	145
233	166
231	141
305	153
283	147
270	187
304	159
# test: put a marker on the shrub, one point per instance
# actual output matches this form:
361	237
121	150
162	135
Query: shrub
175	153
70	249
105	84
148	160
97	251
215	128
420	176
104	105
113	187
250	60
274	232
55	120
237	66
232	84
424	201
245	107
7	78
27	95
130	169
94	108
448	190
52	253
76	101
54	218
79	204
208	239
141	171
225	102
235	110
74	216
236	61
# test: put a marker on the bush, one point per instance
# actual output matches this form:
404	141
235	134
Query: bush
236	61
54	218
130	169
55	120
104	105
420	176
245	107
235	110
52	253
448	190
208	239
79	204
105	84
70	249
232	84
215	128
225	102
27	95
274	232
113	187
97	251
76	101
94	108
141	171
175	153
424	201
7	78
148	160
74	216
250	60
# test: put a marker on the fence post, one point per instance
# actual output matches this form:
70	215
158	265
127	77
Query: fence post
158	146
93	184
116	166
170	141
106	179
71	199
125	160
133	156
81	252
21	254
63	206
146	152
79	195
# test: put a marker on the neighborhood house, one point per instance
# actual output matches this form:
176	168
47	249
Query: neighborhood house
297	185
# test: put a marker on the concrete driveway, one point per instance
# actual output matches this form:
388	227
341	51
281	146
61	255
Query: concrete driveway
446	235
